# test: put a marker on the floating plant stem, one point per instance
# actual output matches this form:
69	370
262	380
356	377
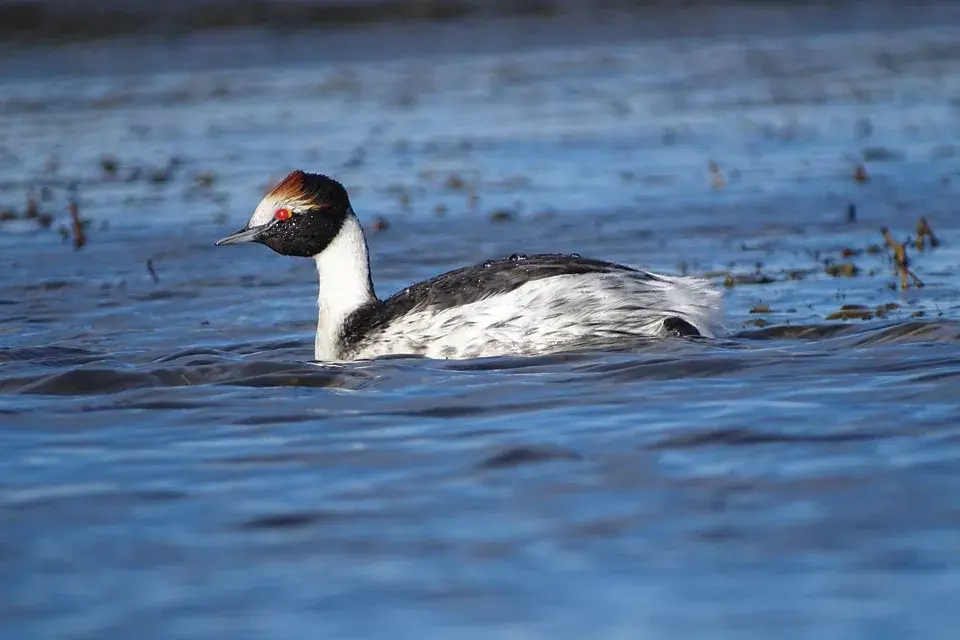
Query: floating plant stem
79	237
924	231
901	262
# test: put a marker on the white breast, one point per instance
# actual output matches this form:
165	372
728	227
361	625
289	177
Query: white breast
546	314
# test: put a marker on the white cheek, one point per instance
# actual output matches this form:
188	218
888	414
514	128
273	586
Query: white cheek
262	215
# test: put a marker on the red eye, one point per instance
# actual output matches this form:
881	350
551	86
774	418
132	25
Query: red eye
282	214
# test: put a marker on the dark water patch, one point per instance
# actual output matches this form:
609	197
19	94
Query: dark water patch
859	334
300	378
796	332
525	455
247	372
275	348
293	520
925	362
155	405
167	294
85	497
199	374
193	357
49	285
747	437
516	363
911	331
274	418
667	368
286	459
98	379
52	356
458	411
102	381
247	281
32	319
478	434
607	527
88	381
937	376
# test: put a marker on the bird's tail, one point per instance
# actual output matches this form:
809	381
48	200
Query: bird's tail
695	300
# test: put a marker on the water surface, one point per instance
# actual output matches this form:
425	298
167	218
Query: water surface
174	466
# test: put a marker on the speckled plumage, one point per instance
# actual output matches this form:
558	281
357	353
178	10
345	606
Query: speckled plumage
521	305
527	305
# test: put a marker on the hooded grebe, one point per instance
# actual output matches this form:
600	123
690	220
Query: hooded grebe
521	305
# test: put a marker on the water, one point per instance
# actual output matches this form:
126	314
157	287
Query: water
175	467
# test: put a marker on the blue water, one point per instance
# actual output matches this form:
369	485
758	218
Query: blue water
172	465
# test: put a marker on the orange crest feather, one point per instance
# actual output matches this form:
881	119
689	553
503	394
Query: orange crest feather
293	187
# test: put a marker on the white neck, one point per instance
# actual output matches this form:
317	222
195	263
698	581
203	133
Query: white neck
344	270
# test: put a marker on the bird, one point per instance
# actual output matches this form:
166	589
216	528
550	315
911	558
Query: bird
517	305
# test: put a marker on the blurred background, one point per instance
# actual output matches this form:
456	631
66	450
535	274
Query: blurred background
173	466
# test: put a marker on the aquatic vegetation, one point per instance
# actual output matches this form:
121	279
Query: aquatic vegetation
901	262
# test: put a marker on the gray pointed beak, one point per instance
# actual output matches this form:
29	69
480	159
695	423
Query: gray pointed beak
247	234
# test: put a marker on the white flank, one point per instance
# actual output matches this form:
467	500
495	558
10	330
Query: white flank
547	314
